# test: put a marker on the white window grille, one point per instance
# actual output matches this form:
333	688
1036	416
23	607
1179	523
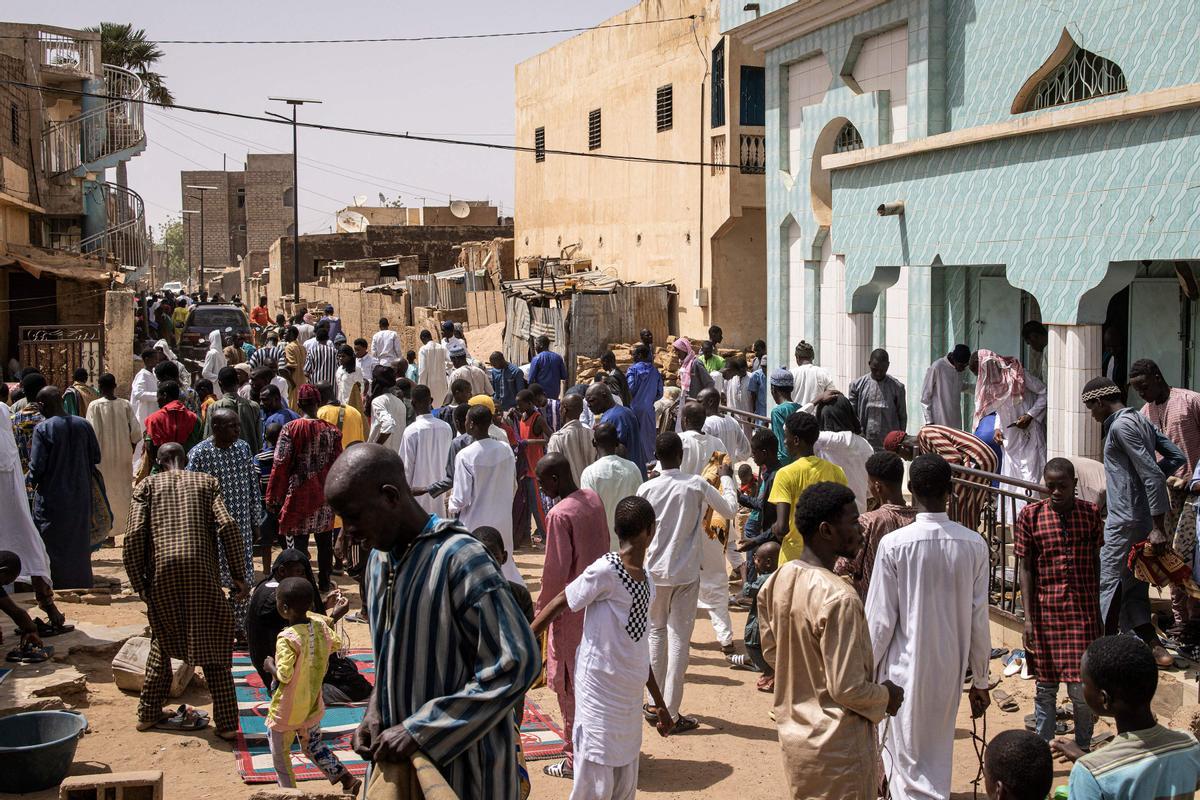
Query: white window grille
1082	76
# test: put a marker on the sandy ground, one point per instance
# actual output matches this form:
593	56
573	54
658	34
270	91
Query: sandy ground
733	753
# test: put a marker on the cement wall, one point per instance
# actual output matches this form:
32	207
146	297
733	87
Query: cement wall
119	358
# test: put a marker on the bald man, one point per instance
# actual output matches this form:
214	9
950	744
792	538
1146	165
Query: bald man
604	408
576	535
448	692
573	440
61	459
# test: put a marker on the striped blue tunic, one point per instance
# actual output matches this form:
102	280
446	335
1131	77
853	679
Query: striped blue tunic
453	652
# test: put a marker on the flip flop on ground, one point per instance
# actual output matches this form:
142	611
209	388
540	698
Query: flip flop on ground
187	721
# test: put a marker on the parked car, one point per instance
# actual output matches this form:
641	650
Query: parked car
174	287
203	319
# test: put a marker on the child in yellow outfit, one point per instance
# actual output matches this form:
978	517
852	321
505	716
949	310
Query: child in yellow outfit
301	657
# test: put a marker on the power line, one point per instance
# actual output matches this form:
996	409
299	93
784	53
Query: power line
323	166
408	39
386	134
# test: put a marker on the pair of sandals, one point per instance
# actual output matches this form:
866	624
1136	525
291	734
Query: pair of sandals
29	653
185	718
683	723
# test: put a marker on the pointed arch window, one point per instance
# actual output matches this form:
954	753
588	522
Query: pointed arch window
1070	75
848	139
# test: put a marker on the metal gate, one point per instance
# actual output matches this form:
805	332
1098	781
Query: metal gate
58	350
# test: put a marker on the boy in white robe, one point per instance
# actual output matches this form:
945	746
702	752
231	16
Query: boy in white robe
612	665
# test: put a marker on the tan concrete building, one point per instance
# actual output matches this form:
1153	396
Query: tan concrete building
247	211
355	219
675	90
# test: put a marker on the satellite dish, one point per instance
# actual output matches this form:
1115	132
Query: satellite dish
460	209
360	199
350	221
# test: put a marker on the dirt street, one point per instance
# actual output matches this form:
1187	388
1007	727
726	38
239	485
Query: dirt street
734	753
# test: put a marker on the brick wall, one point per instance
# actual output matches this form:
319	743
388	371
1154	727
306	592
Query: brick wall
267	218
435	247
217	219
14	96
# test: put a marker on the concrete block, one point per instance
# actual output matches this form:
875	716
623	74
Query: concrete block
277	793
129	668
146	785
97	599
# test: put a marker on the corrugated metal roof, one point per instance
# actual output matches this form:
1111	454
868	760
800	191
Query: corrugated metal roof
594	282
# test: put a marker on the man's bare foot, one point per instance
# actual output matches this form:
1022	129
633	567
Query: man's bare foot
1066	750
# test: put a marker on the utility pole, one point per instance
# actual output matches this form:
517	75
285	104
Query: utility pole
187	220
200	274
294	102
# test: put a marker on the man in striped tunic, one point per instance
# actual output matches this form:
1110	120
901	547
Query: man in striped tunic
452	648
959	448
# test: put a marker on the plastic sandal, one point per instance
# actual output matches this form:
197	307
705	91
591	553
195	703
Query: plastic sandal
685	724
559	769
46	630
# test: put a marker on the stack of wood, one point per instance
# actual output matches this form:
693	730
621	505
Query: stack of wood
666	358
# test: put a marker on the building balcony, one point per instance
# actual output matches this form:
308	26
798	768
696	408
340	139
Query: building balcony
102	136
752	153
65	57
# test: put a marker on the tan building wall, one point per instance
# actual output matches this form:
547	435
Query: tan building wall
700	227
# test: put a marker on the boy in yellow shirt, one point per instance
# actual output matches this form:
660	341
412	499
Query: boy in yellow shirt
800	436
301	658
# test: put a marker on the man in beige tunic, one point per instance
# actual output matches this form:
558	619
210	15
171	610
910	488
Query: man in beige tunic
117	431
813	630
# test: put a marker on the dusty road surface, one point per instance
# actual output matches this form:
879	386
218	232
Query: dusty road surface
733	754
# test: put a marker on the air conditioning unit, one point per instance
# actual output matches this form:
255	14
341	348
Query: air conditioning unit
700	297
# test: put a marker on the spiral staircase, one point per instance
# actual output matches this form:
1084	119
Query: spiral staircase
109	131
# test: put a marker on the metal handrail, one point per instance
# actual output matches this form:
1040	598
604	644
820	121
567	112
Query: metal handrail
109	128
752	418
125	237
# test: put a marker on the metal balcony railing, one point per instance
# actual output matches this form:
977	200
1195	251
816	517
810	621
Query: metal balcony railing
115	125
125	238
752	154
61	52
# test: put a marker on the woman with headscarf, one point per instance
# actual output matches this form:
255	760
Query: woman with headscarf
1018	399
841	443
693	377
214	361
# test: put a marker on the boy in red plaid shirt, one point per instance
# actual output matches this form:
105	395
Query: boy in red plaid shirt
1058	543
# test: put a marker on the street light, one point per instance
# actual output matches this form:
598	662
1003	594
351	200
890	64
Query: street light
294	102
200	274
187	221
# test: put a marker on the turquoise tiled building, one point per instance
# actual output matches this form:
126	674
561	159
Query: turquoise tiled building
942	171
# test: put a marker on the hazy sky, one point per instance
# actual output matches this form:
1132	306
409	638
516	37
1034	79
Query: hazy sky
459	88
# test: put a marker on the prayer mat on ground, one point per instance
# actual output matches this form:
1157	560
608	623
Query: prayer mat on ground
540	737
337	726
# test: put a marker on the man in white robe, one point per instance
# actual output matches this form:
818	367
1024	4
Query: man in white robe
927	610
424	449
1018	398
117	431
573	440
610	476
431	368
388	419
733	439
144	394
941	394
485	479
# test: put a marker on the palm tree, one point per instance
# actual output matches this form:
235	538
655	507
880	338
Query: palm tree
122	46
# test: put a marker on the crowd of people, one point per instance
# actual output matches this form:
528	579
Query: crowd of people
865	580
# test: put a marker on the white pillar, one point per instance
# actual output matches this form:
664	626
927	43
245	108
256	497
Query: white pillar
859	337
1073	357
